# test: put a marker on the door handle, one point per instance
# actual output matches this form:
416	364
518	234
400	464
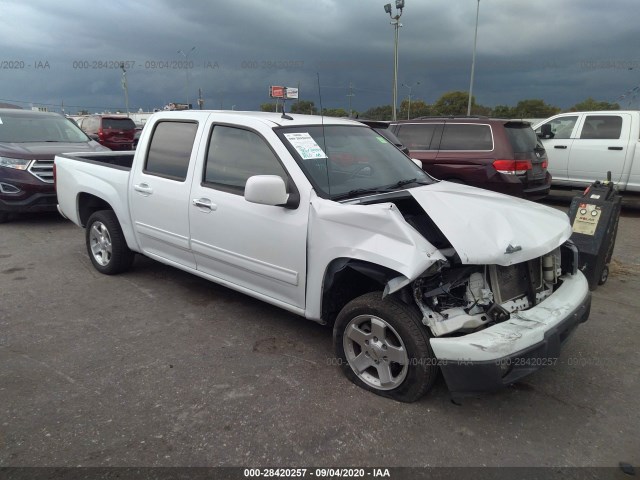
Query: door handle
615	148
561	147
204	203
143	188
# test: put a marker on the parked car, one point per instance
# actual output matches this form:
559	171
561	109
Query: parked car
414	274
383	129
29	141
136	136
500	155
584	146
115	132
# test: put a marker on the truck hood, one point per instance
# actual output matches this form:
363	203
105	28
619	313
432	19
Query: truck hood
485	227
46	150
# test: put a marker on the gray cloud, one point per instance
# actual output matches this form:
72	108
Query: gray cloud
562	52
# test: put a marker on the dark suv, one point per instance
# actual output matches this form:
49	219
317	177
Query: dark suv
113	131
500	155
28	143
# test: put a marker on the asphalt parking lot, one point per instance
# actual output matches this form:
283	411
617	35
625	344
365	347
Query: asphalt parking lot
157	367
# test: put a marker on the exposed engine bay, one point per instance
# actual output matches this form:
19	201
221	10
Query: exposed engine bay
457	297
460	299
466	298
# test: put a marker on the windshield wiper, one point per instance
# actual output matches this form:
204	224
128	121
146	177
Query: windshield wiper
402	183
385	189
359	191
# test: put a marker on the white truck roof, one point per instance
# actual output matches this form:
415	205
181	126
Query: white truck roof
271	118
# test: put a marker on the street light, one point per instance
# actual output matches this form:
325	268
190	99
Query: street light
410	87
473	61
395	21
186	60
125	87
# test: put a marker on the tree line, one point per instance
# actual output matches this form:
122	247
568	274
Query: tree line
450	103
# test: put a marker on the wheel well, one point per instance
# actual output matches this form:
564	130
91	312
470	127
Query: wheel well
89	204
346	279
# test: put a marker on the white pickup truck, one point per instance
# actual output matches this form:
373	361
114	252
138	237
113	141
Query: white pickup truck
326	219
583	146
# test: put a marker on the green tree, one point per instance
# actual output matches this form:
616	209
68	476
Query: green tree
418	109
590	104
534	108
268	107
502	111
382	112
303	106
453	103
335	112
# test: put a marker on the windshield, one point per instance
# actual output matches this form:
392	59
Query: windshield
342	161
23	128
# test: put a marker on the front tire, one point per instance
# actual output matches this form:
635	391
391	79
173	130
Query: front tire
383	347
4	217
106	244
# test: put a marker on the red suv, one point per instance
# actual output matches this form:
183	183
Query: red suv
113	131
500	155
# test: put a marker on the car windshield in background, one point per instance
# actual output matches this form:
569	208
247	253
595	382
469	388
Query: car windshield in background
521	136
341	161
21	128
118	124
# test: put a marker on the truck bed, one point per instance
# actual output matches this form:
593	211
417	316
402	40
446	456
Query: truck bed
104	175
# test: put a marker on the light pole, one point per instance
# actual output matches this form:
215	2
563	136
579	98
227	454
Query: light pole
125	87
410	87
395	21
473	61
186	61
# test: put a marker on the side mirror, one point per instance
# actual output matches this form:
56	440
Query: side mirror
545	131
266	190
94	137
417	162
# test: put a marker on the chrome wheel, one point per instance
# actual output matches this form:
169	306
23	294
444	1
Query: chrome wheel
100	243
375	352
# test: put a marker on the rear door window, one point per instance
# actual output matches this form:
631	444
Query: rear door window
604	127
466	136
170	149
521	137
118	124
419	136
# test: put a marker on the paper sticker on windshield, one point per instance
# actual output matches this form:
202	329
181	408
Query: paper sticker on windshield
0	121
305	145
382	140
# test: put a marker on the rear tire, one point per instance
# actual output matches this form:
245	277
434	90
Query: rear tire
604	276
383	347
106	245
4	217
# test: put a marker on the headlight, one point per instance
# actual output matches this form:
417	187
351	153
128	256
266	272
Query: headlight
17	163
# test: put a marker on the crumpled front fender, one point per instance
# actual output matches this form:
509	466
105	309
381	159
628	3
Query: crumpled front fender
375	233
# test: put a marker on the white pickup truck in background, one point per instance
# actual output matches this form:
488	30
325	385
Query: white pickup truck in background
327	219
583	146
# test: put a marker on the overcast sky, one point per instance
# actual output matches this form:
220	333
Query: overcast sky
560	51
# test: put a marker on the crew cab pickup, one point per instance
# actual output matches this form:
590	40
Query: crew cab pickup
329	220
583	146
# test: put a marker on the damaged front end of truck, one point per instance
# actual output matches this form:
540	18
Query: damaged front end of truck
495	279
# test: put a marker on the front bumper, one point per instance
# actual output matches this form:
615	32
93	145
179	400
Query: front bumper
530	340
37	202
34	195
